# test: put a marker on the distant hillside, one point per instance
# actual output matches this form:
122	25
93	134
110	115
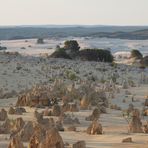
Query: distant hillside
45	31
135	35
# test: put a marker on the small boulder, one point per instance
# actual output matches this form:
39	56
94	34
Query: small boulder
11	111
95	115
56	110
79	144
146	102
3	115
129	139
71	128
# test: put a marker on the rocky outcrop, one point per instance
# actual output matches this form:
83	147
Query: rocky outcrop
145	127
38	95
52	140
11	111
70	107
26	132
15	143
17	111
95	128
3	115
37	136
56	110
84	103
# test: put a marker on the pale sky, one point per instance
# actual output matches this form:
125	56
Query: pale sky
69	12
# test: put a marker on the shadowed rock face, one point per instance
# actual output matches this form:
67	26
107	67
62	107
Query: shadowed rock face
144	61
3	115
52	140
37	136
56	110
135	126
79	144
15	143
26	132
146	102
95	115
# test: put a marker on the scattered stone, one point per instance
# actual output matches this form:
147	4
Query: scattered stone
11	111
69	120
95	115
56	110
145	129
79	144
114	106
127	92
129	139
71	128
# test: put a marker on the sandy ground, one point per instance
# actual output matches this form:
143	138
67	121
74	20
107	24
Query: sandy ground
30	47
115	127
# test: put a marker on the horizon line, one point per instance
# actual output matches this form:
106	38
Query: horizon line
101	25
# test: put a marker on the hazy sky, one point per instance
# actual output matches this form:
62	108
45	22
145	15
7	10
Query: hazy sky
101	12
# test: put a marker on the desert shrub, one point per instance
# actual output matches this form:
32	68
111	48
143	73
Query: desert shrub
96	55
40	41
71	45
3	48
71	75
136	54
60	54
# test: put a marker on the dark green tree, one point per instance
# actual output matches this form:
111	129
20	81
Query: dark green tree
40	41
96	55
71	45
